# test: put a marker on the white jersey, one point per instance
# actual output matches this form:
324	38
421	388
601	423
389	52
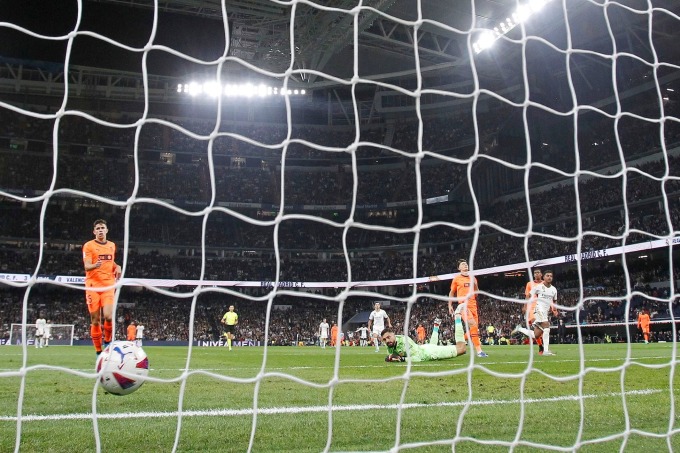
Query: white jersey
47	331
323	330
363	332
140	332
378	318
40	327
545	297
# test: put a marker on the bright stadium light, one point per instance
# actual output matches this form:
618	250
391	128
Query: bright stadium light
249	90
521	15
485	40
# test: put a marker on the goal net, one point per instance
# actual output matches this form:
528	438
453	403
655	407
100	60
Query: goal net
304	160
56	334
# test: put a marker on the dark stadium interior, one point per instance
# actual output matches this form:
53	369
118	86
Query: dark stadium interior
556	157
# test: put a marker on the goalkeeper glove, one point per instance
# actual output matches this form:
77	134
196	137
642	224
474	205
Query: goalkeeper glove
394	358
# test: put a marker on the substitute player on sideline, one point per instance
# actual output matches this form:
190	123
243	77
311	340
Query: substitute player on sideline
230	319
402	348
464	288
101	271
377	320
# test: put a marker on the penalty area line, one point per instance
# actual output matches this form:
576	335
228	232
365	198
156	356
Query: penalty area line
314	409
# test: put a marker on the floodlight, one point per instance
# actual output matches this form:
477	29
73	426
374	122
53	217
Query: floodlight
522	14
537	5
485	40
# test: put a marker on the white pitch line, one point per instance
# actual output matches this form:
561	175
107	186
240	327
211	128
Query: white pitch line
457	364
313	409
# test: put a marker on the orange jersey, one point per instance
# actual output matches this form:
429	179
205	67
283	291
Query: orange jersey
420	332
643	320
131	332
461	286
106	254
531	305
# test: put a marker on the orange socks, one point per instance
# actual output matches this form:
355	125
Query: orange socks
96	334
108	330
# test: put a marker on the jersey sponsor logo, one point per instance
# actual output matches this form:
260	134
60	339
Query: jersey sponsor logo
105	257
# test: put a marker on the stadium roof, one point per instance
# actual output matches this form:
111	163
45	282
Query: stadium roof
259	35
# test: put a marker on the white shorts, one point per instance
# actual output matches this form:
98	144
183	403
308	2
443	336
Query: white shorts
541	314
377	331
39	333
324	337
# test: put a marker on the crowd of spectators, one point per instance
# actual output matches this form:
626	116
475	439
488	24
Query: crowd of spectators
638	204
289	320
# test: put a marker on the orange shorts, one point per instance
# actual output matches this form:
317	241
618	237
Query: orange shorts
470	315
96	300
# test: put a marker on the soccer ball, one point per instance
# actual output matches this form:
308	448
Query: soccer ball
120	367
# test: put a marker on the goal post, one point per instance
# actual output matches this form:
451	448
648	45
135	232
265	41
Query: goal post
60	334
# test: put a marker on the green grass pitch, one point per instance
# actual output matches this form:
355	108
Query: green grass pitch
303	399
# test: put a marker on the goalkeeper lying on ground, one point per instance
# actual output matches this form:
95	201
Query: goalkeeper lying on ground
397	345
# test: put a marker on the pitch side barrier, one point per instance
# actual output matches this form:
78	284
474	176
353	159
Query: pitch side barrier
620	329
25	279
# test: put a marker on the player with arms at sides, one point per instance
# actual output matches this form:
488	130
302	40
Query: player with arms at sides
323	333
139	335
420	333
464	288
643	321
529	307
40	324
131	331
101	271
363	335
47	333
402	348
546	296
376	320
230	319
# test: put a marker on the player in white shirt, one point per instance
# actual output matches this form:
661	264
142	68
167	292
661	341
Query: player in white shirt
376	324
140	334
39	331
546	296
47	333
323	333
363	335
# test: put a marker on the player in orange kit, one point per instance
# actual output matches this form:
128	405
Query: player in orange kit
101	271
643	323
420	333
464	288
334	334
132	332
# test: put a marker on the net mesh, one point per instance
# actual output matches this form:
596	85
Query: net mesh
544	149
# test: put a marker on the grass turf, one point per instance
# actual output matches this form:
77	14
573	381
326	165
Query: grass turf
305	399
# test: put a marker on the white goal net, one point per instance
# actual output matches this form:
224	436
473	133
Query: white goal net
303	160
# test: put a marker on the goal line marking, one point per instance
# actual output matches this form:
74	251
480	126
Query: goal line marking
315	409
